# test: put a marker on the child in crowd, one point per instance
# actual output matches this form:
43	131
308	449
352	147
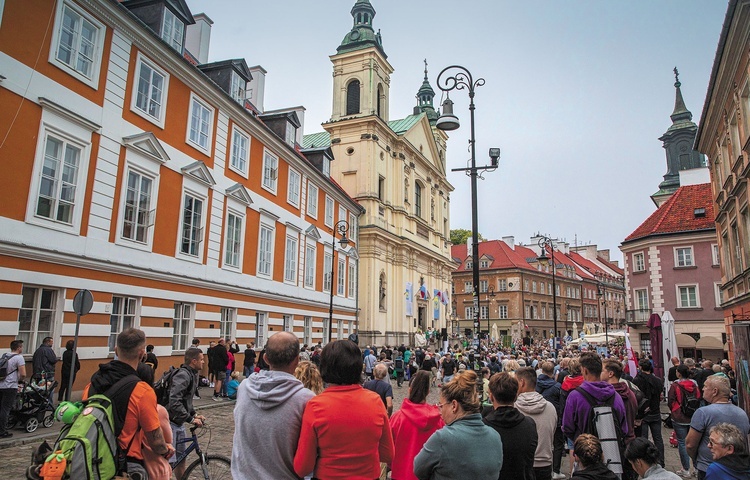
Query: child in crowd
233	384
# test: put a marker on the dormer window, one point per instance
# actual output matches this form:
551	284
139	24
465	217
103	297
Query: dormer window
172	30
238	88
290	135
327	167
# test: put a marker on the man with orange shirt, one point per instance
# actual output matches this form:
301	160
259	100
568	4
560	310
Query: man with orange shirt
134	401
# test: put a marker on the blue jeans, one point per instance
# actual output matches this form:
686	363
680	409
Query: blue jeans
681	431
653	423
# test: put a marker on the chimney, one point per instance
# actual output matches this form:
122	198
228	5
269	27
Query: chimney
510	241
198	37
257	87
603	254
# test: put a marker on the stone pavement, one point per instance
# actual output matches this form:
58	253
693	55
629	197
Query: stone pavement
218	439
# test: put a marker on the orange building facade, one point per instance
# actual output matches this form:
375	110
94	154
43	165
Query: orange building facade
133	173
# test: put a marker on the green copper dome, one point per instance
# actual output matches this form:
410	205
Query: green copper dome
362	34
425	95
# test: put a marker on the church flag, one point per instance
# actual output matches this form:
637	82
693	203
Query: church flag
423	293
409	299
445	297
436	304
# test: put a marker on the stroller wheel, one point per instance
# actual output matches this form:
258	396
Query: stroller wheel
49	420
32	424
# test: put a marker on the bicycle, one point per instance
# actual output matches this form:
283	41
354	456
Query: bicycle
205	467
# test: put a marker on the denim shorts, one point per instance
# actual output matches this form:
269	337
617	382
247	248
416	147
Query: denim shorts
178	435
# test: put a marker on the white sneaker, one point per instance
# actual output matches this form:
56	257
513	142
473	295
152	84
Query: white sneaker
558	476
683	473
216	399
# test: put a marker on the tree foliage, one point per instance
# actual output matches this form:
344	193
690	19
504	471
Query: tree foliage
460	235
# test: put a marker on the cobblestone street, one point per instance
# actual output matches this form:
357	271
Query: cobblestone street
219	439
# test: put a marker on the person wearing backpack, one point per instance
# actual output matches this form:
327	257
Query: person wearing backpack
682	392
134	413
593	392
182	387
12	371
398	367
652	388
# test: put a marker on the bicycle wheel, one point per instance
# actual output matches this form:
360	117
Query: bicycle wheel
217	467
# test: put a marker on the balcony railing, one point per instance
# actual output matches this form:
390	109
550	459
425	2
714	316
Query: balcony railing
637	316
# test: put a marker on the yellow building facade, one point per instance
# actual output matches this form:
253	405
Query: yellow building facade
396	170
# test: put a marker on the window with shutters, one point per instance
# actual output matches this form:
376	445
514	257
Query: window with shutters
352	97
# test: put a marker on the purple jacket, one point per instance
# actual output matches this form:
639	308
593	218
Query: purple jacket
578	410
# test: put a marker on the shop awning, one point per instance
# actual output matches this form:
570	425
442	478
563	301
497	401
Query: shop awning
685	341
710	343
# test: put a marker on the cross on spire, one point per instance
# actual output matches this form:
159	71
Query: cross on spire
676	77
425	69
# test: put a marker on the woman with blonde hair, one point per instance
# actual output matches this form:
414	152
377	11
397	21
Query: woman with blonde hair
511	366
307	373
451	451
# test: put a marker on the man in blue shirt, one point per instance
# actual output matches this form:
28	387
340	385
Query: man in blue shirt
382	386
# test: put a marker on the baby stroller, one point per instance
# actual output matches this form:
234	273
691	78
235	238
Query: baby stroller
33	406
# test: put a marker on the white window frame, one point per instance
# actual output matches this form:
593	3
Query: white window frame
468	287
502	311
307	335
469	313
238	88
290	134
158	119
326	330
241	247
198	257
62	126
502	285
327	267
677	257
717	294
715	259
293	187
352	277
98	44
34	336
118	317
172	40
341	276
353	227
185	316
134	168
678	292
636	298
310	265
270	174
290	259
261	329
288	322
313	192
639	266
342	213
196	101
227	322
329	204
265	257
244	157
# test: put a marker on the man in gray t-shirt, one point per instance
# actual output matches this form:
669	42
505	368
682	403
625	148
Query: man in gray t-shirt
716	391
15	372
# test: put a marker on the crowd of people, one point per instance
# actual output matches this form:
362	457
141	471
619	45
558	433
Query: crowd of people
506	413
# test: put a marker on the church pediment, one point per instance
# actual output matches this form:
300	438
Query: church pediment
420	136
313	233
200	172
147	145
239	193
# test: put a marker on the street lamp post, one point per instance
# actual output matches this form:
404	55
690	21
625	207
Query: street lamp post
545	242
456	77
342	226
490	295
602	294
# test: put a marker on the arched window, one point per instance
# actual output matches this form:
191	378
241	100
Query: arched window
352	97
417	199
380	101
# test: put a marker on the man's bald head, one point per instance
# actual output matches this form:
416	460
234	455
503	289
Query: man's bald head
380	371
282	350
675	361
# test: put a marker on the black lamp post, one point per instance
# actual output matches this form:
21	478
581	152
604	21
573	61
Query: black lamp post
544	243
342	226
459	78
490	295
602	294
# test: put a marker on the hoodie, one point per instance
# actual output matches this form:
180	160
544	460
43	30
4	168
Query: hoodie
267	422
551	391
411	426
731	467
597	471
518	433
534	406
578	411
631	408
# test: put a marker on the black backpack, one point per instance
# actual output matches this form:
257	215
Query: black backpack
163	386
399	364
689	403
4	365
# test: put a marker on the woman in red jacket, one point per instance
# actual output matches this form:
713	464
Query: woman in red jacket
412	425
345	431
680	421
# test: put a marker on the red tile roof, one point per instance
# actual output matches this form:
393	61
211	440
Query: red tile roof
611	265
502	255
587	264
678	213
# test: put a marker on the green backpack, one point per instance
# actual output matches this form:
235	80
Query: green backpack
89	444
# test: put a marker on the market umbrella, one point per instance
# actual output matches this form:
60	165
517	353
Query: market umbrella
669	339
655	334
575	330
493	333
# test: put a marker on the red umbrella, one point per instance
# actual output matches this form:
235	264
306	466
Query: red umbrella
654	331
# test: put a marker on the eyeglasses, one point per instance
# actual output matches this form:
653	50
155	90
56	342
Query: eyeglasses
711	443
441	405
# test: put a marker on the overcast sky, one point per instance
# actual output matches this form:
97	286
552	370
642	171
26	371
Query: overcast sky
577	93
